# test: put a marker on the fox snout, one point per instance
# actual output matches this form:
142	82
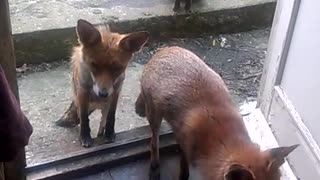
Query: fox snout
102	85
102	91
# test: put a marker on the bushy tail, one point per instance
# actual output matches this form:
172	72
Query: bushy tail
140	106
70	117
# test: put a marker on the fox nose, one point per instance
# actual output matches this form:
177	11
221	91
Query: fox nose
103	93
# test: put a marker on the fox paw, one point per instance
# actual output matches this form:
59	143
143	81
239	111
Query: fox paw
86	141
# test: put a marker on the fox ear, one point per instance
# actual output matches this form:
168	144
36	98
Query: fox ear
277	155
239	172
133	42
88	35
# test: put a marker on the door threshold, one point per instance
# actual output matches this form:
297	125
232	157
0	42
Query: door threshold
130	146
261	133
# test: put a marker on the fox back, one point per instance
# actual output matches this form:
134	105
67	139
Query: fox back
195	101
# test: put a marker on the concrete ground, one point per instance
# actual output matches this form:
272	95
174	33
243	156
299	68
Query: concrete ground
45	89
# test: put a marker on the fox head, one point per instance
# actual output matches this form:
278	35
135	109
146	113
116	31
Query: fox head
258	165
107	54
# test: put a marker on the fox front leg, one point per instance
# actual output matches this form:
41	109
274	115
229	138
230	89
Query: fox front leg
110	135
85	137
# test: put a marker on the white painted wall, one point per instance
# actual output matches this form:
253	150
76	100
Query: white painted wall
301	78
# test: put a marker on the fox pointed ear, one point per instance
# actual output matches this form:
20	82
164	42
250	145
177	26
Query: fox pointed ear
88	35
239	172
133	42
277	155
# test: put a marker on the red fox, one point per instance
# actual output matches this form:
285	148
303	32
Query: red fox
98	72
178	86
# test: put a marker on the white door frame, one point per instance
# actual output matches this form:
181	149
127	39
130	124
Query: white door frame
273	102
278	48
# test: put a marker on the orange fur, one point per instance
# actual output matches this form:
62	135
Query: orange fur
179	87
98	67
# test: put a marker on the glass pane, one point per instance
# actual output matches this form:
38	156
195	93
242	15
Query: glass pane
45	79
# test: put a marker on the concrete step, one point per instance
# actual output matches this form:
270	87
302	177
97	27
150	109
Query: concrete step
44	30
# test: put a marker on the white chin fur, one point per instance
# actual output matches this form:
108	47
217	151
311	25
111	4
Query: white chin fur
96	89
110	91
